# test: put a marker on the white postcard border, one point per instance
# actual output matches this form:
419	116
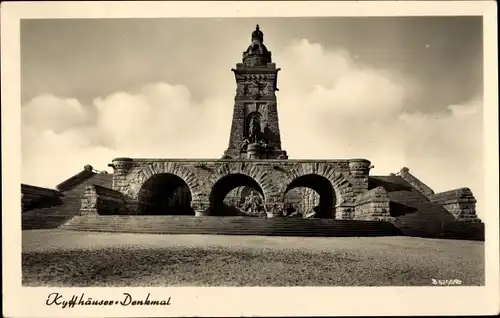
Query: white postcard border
193	301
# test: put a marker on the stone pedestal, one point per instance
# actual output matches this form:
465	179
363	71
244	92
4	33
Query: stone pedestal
88	201
200	208
254	151
373	205
121	167
359	171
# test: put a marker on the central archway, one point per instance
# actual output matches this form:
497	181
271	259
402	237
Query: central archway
224	186
165	194
323	187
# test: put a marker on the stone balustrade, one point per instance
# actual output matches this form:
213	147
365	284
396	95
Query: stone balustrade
414	182
459	202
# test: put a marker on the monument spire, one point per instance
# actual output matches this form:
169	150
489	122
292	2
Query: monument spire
257	54
257	34
255	130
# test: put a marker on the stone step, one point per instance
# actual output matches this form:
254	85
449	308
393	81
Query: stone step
231	226
51	217
274	226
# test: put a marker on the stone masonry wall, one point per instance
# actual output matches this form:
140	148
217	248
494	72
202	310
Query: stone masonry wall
373	205
348	178
459	202
101	200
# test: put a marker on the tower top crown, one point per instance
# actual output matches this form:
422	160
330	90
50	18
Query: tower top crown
257	34
257	54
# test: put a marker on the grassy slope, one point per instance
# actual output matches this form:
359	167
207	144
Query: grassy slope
65	258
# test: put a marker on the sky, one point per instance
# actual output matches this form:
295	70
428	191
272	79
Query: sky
399	91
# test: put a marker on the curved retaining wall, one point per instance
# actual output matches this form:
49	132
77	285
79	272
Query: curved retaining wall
230	226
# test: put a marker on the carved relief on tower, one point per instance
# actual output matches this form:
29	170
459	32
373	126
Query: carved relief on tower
264	111
254	86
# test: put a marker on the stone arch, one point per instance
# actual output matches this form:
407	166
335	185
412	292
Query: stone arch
342	188
257	173
323	189
174	168
224	186
164	194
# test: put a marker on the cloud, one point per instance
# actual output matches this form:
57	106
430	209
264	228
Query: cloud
348	114
159	121
330	106
446	150
362	111
52	113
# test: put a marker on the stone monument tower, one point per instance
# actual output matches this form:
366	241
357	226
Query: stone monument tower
255	132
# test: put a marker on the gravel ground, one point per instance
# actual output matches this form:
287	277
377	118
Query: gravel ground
67	258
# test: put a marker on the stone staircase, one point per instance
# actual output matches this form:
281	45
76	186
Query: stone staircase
49	218
416	215
56	215
229	226
408	204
